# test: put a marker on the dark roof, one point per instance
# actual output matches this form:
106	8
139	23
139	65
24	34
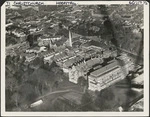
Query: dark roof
95	43
50	52
75	35
30	55
77	43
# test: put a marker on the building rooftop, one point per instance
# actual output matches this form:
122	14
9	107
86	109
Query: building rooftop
30	55
69	62
104	69
95	43
61	56
16	45
139	79
35	48
90	52
45	53
84	66
92	62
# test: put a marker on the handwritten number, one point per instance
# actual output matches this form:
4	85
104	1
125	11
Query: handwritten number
137	2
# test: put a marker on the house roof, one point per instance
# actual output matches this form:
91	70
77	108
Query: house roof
95	43
92	62
61	56
35	48
46	53
90	51
30	55
84	66
16	45
69	62
77	43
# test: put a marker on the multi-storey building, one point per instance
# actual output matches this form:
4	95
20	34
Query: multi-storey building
44	41
126	62
105	76
81	69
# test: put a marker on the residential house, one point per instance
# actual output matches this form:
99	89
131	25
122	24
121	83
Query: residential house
47	56
30	57
44	40
33	50
10	50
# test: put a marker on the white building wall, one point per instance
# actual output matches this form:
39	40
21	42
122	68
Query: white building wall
92	85
73	75
105	80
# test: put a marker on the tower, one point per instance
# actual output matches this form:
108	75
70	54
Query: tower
70	39
50	43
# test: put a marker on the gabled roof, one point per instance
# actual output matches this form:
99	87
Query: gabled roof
30	55
95	43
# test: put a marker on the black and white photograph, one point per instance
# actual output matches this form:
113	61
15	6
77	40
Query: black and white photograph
74	57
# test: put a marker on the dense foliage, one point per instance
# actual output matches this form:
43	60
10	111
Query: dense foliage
24	84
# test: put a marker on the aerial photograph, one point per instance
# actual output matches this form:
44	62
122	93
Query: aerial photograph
74	58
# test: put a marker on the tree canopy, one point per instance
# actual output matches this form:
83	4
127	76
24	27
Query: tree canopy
105	99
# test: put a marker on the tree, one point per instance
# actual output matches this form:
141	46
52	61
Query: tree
22	60
11	39
15	98
105	99
18	75
82	81
8	59
46	66
102	9
38	61
30	40
11	84
16	59
9	104
86	102
27	93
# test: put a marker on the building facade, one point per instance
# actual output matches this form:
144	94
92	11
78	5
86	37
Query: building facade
30	57
81	69
105	76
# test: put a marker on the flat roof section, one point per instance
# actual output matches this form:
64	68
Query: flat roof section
104	69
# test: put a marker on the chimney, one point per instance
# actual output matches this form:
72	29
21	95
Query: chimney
70	39
50	43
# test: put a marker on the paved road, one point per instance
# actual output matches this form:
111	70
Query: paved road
134	101
135	55
55	92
